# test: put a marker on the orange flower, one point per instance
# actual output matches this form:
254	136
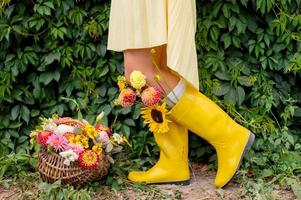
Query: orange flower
88	159
151	96
127	98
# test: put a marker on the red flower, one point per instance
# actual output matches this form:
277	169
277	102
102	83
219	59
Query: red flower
151	96
127	97
88	159
43	137
100	127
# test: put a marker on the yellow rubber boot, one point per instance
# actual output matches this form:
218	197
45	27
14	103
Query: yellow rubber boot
202	116
172	166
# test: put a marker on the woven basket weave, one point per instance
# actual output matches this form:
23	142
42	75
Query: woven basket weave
52	168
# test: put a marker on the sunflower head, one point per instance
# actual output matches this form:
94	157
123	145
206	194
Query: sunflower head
156	118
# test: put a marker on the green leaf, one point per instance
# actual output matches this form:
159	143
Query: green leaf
50	58
25	113
226	76
240	94
15	112
222	90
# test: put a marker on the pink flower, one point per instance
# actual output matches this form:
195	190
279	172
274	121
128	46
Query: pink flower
151	96
77	148
100	127
127	97
103	138
58	142
43	137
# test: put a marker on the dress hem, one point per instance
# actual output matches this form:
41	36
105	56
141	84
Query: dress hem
109	47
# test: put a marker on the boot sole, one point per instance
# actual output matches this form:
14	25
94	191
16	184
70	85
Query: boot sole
247	147
187	182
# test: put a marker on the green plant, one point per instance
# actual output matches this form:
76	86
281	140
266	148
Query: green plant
249	63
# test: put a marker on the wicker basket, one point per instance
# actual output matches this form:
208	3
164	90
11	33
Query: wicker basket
52	168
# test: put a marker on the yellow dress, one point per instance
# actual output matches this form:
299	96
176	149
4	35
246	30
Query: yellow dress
148	23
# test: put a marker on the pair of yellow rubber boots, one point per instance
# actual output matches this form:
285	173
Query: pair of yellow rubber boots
198	113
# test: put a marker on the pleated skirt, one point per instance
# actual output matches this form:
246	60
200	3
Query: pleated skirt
138	24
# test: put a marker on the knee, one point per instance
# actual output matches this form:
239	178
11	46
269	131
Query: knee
127	71
137	60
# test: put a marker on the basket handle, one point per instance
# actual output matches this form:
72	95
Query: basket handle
72	121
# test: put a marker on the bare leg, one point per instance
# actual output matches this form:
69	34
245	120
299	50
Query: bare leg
140	59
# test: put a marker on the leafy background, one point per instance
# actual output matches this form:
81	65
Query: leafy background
53	59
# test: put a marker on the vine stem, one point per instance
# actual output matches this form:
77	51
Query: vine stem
161	74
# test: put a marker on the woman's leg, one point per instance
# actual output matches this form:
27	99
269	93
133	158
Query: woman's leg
141	60
198	113
172	166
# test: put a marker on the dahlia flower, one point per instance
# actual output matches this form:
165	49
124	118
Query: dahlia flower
137	80
69	155
43	137
88	159
151	96
58	142
127	97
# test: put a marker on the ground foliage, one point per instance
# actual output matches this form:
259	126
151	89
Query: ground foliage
53	59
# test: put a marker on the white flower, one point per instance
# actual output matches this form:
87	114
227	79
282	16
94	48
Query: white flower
117	138
49	125
69	155
61	129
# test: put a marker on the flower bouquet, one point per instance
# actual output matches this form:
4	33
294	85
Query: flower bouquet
154	109
74	151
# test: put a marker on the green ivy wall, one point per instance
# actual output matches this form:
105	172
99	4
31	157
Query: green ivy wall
53	59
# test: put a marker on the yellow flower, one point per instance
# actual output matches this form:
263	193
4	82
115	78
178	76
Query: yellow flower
88	159
97	148
137	80
33	134
116	102
85	143
155	117
81	140
157	78
153	51
90	131
121	82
